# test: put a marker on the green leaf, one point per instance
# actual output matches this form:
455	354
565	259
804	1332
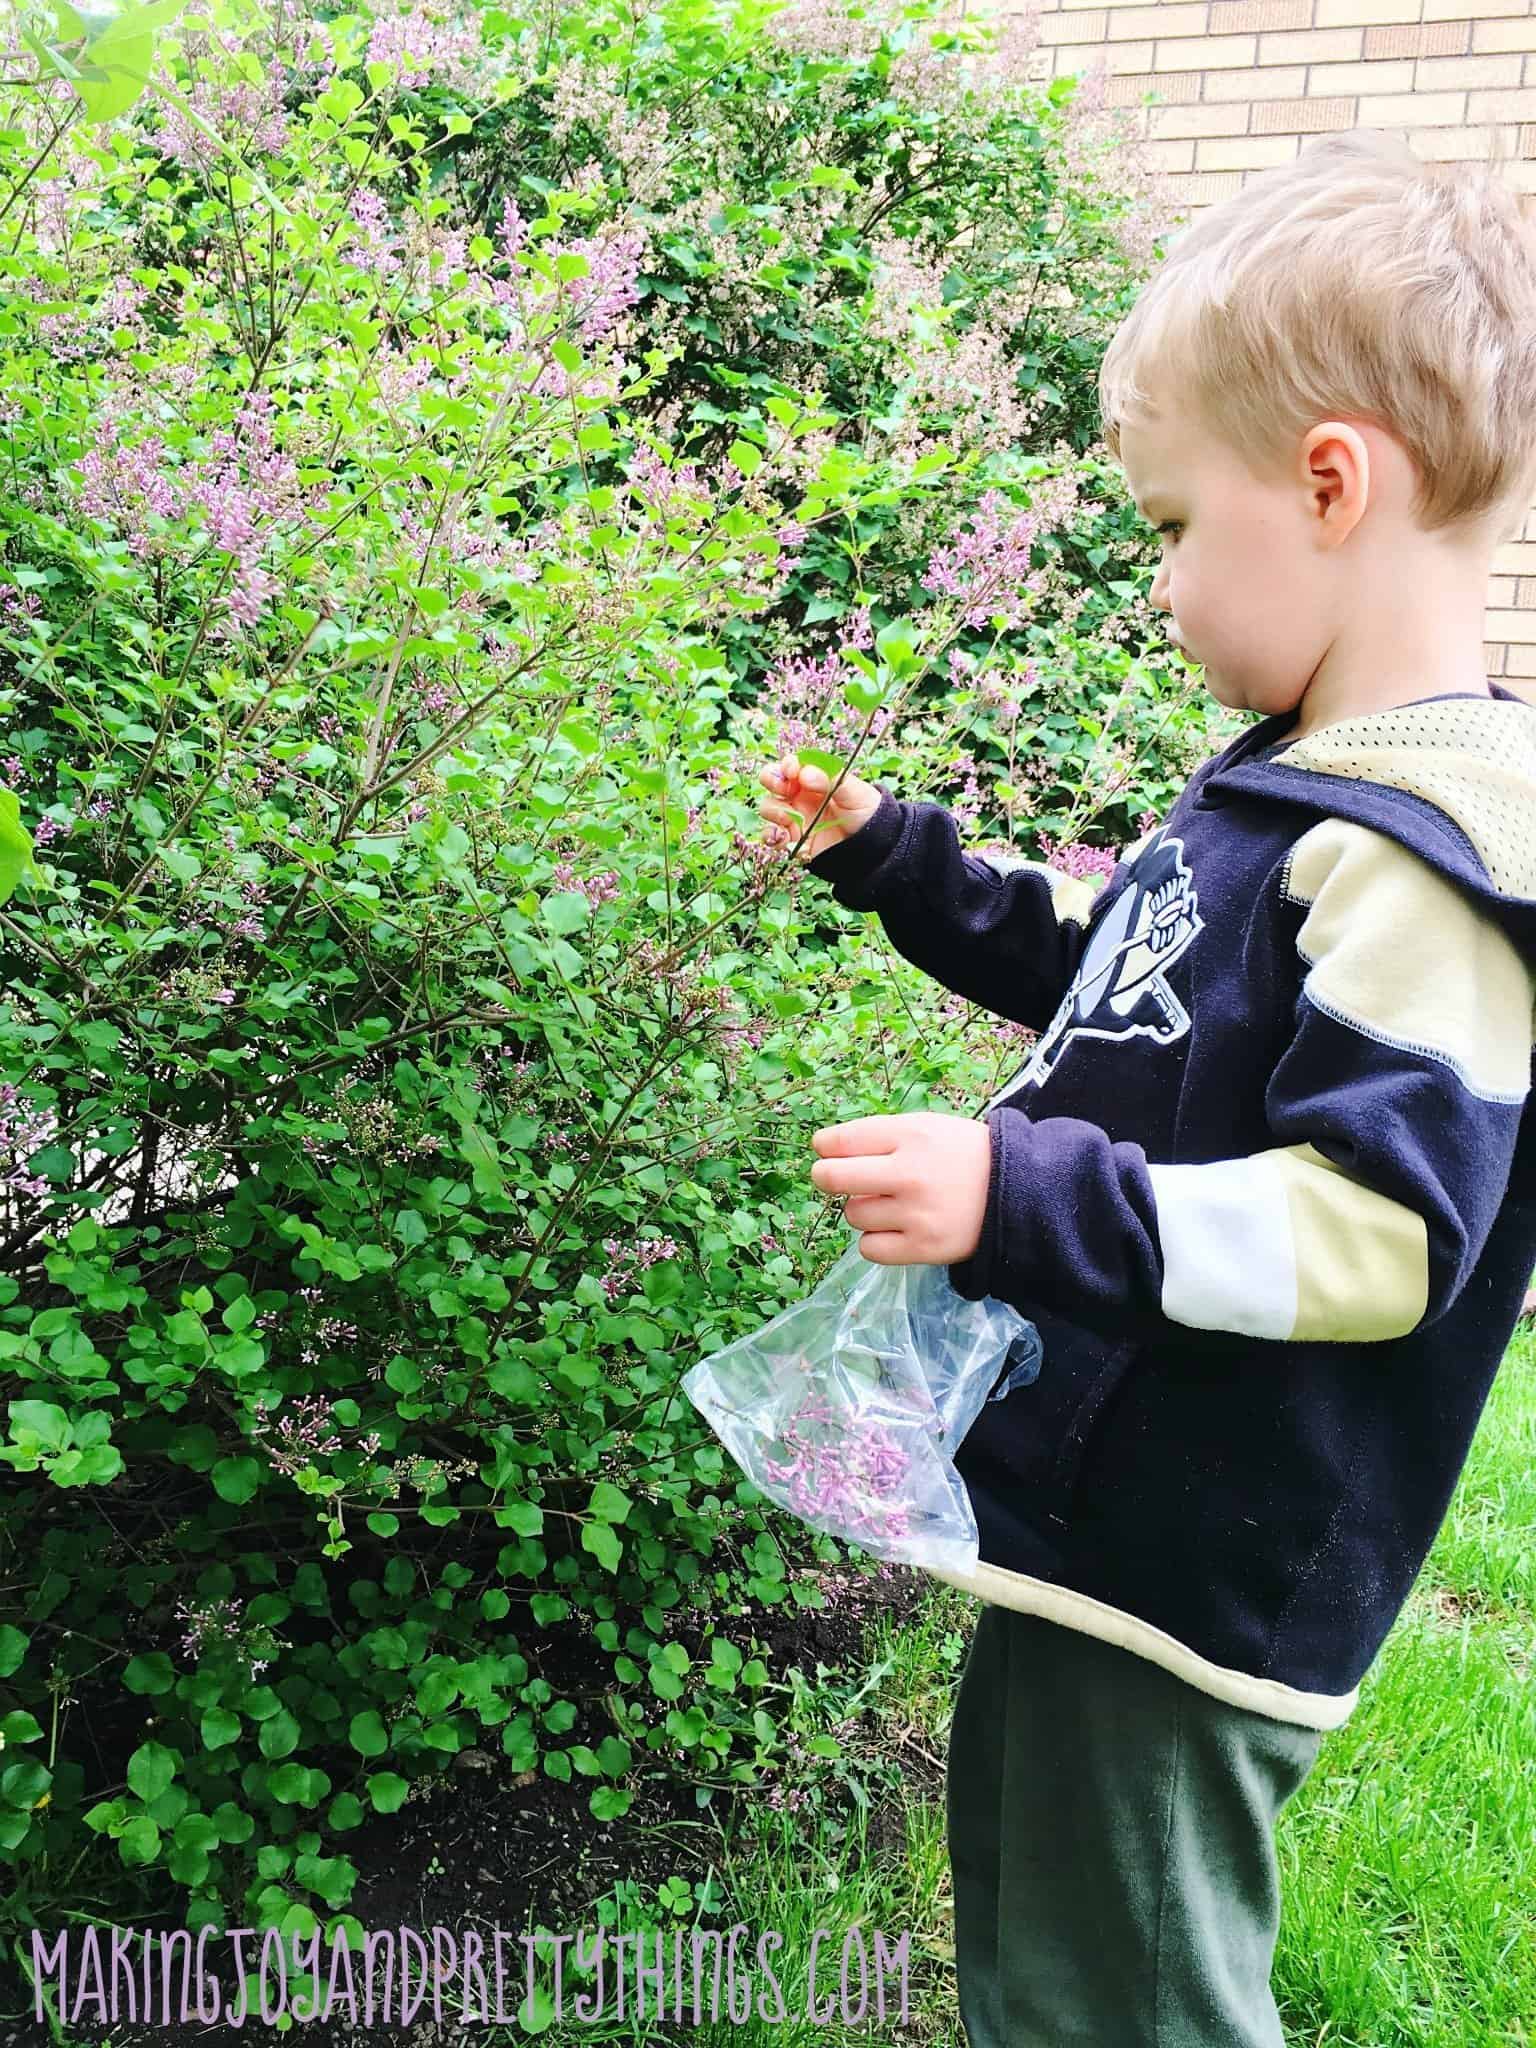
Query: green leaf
150	1672
150	1769
15	847
139	1842
369	1737
387	1790
185	866
279	1735
219	1726
13	1647
236	1479
608	1503
49	1424
747	457
598	1538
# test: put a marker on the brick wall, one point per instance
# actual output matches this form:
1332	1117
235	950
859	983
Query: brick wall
1237	84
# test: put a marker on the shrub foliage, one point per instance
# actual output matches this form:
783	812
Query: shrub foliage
448	452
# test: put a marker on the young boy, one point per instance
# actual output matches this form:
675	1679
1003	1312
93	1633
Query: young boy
1266	1185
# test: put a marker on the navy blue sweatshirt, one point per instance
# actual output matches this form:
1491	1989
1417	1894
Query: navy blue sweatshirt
1266	1184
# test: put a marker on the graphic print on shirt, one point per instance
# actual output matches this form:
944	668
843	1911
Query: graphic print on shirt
1120	989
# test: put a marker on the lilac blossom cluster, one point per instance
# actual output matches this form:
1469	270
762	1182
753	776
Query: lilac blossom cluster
241	109
218	1622
603	888
24	1129
243	489
988	566
308	1433
626	1261
851	1477
429	44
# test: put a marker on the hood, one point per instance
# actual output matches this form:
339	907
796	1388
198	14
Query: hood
1452	778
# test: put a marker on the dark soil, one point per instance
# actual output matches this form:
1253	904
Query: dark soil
486	1847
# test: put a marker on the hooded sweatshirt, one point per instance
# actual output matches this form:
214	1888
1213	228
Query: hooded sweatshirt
1266	1185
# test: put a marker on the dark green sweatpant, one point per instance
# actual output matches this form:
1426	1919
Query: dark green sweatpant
1111	1834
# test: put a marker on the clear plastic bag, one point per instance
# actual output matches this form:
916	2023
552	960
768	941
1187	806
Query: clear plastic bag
847	1409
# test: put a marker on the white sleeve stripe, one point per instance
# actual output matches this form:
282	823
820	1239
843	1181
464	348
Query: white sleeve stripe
1229	1260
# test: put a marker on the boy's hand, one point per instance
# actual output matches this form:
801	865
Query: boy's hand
918	1184
799	793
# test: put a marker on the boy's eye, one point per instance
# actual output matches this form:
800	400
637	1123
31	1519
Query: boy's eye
1167	523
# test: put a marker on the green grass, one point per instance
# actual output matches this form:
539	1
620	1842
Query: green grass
1408	1857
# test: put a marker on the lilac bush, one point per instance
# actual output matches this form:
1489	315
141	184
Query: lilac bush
444	456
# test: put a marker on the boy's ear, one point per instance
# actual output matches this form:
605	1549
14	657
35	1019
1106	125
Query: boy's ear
1337	471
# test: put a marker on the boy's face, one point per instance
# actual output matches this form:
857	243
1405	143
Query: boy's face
1242	576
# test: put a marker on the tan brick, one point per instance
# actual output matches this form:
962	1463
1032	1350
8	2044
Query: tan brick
1522	178
1187	20
1515	626
1421	39
1519	670
1212	53
1324	79
1170	89
1519	105
1302	117
1505	35
1244	17
1412	109
1356	13
1204	189
1287	81
1472	10
1312	46
1440	73
1173	122
1245	152
1453	145
1169	156
1115	57
1528	141
1525	597
1076	26
1502	591
1515	558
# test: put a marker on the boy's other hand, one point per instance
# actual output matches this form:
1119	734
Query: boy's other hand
918	1184
797	796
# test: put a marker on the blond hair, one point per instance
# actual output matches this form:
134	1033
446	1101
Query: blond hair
1357	281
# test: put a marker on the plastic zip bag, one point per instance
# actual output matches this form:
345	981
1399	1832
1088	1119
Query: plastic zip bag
847	1409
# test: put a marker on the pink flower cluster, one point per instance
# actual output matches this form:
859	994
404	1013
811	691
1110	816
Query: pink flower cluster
603	888
1079	860
625	1261
988	567
24	1129
245	487
608	287
308	1433
422	45
853	1478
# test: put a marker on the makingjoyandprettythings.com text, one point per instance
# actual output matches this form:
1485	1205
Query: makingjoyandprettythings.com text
388	1976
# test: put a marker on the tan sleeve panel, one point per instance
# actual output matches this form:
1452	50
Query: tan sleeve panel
1399	953
1362	1260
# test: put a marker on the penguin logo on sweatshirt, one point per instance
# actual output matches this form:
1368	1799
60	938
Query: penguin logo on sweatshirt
1120	989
